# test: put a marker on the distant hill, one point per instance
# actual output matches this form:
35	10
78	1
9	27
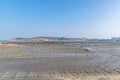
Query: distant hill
43	39
36	39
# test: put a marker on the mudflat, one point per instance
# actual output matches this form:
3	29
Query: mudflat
91	60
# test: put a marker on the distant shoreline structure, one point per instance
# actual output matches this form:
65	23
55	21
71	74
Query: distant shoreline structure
56	39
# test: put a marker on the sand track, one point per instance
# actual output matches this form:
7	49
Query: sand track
53	76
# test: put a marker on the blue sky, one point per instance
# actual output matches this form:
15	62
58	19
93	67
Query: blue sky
67	18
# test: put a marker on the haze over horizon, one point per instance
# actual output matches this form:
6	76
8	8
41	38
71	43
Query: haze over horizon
64	18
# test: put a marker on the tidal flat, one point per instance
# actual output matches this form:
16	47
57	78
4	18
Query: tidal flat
79	59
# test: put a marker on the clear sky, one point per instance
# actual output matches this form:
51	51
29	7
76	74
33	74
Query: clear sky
67	18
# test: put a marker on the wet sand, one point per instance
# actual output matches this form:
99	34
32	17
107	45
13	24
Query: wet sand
85	59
